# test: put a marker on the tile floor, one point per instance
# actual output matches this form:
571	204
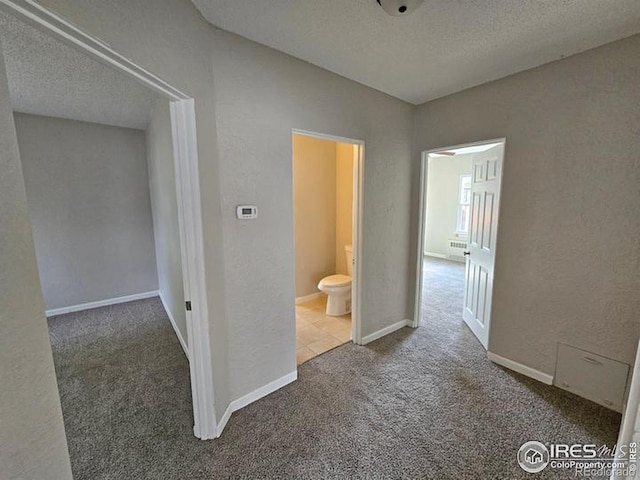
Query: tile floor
316	332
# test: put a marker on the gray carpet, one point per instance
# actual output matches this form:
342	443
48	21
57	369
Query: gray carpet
422	403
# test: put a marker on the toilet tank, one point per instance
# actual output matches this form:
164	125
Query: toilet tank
348	253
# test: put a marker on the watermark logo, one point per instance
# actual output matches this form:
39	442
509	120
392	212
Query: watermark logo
533	457
585	460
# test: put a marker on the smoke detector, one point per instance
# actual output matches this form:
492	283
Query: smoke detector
399	8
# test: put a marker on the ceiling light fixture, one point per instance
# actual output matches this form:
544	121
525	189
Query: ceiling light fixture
399	8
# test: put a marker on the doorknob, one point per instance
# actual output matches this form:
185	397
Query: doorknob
466	254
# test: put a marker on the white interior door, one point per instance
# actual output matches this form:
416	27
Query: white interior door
483	231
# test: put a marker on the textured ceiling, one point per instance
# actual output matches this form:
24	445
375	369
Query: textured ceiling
444	47
47	77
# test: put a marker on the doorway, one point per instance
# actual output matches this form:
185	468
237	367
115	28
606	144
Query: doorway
327	174
459	209
185	163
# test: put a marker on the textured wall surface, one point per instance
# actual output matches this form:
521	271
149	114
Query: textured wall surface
344	203
88	195
567	253
32	439
443	188
247	101
560	121
314	208
171	39
164	207
261	96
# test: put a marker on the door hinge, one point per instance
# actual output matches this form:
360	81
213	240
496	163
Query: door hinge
187	305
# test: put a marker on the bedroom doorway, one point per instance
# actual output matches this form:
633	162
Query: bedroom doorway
459	207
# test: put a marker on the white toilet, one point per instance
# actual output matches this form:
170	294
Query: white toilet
338	288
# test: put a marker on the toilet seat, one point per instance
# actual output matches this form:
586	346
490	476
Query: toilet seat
334	281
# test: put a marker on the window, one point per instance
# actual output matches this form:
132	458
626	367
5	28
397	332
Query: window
464	205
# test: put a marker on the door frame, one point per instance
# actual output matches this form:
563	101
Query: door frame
630	416
424	170
183	122
358	195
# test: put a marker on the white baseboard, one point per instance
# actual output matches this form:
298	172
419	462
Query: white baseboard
223	421
436	255
175	327
523	369
255	395
100	303
308	298
264	391
385	331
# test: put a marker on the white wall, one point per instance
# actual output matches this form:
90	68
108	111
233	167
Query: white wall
88	196
344	203
567	251
443	188
32	438
314	207
261	96
164	206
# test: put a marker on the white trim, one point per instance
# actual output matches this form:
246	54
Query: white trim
263	391
421	232
385	331
257	394
183	123
324	136
358	250
358	196
436	255
520	368
175	326
308	298
630	416
41	17
224	419
101	303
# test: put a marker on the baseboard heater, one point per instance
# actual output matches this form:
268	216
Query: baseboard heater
456	248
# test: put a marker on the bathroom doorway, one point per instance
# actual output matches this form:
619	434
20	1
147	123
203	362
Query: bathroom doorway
327	174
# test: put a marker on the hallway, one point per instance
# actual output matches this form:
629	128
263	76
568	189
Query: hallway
422	403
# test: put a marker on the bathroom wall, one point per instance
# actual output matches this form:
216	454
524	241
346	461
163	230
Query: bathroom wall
344	203
443	185
314	207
